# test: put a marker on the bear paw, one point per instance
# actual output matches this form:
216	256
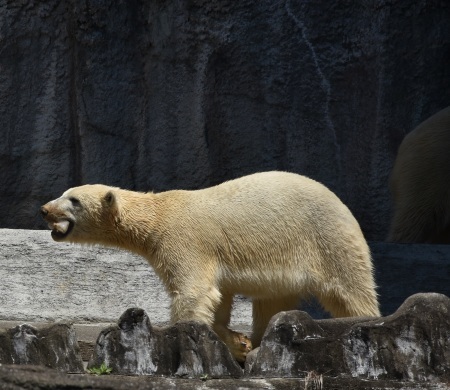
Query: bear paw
240	346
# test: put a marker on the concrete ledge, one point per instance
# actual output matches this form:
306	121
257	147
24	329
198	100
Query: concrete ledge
44	281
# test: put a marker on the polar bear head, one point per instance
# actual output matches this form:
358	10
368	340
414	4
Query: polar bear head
82	214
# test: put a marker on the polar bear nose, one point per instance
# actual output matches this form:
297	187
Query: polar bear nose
44	211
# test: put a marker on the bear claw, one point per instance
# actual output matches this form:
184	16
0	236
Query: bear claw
241	347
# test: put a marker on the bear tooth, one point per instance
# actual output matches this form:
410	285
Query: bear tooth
61	226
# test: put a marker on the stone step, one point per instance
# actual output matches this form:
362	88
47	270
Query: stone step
45	281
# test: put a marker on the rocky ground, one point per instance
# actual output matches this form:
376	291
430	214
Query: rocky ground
40	378
65	307
409	349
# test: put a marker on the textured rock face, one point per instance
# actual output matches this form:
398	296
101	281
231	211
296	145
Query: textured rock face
295	344
184	350
413	344
407	350
158	95
54	346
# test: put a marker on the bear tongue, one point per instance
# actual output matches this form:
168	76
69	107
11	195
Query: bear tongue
60	227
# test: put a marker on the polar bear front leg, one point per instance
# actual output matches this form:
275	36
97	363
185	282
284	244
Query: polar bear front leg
194	303
238	343
205	304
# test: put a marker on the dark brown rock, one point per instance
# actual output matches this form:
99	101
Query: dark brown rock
187	349
52	346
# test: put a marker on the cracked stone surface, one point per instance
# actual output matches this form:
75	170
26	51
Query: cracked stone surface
412	344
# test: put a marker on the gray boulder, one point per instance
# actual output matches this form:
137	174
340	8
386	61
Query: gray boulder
187	349
294	344
53	346
413	344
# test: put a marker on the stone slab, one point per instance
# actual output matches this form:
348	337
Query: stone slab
185	350
45	281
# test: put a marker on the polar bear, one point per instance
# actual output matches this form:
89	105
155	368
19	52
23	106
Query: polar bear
273	236
420	184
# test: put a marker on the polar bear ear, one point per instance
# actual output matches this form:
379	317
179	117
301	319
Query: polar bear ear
110	198
111	201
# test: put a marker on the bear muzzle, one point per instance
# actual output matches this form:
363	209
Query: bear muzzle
60	225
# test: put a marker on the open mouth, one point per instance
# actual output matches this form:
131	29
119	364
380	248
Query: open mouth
61	229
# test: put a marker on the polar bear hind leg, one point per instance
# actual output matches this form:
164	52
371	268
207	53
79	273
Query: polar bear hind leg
354	301
238	343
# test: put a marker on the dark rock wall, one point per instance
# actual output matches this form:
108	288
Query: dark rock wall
184	94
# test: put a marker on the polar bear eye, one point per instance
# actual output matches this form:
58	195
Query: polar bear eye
75	202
